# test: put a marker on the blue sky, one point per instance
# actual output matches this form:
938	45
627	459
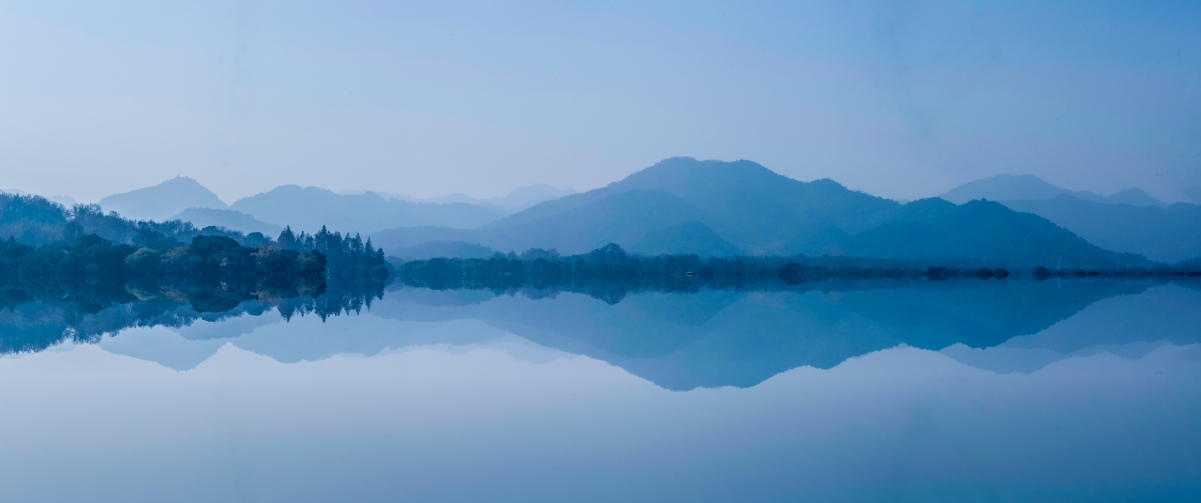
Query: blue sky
900	99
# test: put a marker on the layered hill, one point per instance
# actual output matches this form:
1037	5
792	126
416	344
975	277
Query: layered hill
1030	187
727	338
1128	221
310	208
1168	234
162	201
303	208
229	219
516	200
682	205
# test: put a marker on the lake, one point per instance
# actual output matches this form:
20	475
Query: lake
874	391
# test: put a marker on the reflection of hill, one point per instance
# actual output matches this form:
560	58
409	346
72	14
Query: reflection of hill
36	326
720	338
679	341
1128	325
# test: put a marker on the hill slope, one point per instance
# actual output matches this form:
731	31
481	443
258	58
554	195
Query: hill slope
310	208
229	219
750	206
162	201
1167	234
982	230
1030	187
682	205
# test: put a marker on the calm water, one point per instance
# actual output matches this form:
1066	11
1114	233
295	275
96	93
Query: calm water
972	391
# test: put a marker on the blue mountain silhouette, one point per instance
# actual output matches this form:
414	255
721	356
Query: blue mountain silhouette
715	207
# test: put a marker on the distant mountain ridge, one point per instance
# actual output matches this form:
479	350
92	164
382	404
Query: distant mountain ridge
714	208
743	206
1129	221
1023	187
303	208
162	201
310	208
66	201
228	219
1170	234
516	200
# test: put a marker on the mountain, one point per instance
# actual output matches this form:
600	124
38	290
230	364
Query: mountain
36	221
229	219
1193	193
310	208
66	201
1004	188
685	237
714	208
741	200
1129	221
162	201
984	230
753	208
524	197
1168	234
1030	187
516	200
1133	197
623	217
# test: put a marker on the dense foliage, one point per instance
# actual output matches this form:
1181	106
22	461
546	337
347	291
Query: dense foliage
350	259
609	273
213	273
52	254
33	220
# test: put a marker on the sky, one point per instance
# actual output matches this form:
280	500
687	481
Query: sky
902	99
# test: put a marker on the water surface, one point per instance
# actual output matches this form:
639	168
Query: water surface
1002	391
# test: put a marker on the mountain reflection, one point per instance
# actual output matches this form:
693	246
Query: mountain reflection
37	325
732	338
679	341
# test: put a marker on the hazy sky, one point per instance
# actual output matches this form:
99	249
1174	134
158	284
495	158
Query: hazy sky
901	99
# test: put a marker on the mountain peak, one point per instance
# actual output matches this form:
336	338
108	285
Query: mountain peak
1004	188
162	201
1032	188
681	175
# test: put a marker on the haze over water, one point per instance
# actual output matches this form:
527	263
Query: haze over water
870	393
570	251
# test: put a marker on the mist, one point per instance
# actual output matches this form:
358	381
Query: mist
902	101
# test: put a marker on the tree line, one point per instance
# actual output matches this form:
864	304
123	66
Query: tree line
609	272
93	260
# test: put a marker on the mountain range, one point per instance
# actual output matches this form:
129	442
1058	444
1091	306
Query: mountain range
1128	221
310	208
162	201
682	205
516	200
229	219
715	208
1030	187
